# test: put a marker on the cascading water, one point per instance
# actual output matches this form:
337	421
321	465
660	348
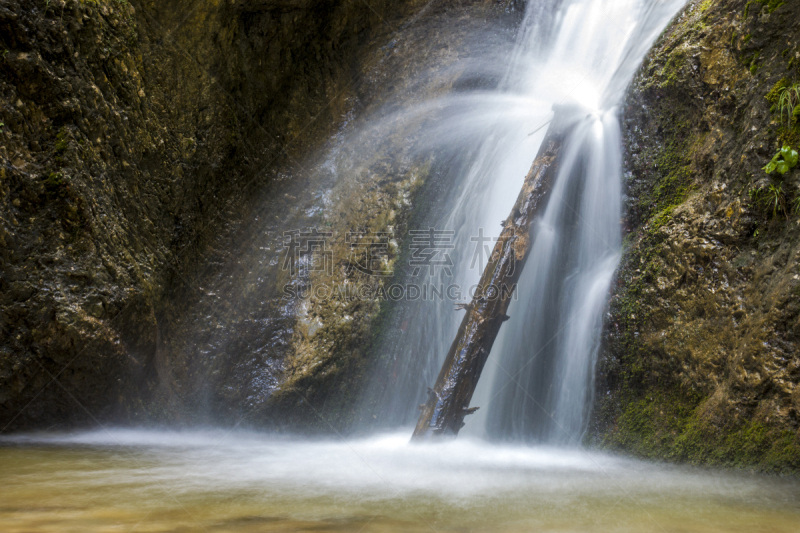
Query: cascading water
538	381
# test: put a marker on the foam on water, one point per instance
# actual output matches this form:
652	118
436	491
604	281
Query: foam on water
241	481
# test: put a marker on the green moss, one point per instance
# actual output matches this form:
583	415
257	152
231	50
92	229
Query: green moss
54	182
663	217
675	183
670	72
774	94
62	141
772	5
670	423
753	61
747	8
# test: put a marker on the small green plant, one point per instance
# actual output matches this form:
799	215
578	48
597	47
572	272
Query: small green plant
772	199
788	100
796	205
783	161
776	200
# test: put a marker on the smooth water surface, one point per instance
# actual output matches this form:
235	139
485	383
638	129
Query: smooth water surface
128	480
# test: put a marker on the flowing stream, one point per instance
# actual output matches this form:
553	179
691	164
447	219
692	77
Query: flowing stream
518	465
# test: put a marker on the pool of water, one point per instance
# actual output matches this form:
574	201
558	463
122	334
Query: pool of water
148	481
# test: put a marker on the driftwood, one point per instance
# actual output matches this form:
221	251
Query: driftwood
448	400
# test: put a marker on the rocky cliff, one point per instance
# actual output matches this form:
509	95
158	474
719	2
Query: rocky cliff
700	359
141	141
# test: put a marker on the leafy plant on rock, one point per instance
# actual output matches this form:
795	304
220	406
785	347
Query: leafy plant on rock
783	161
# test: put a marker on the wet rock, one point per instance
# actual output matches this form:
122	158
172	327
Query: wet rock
143	141
710	377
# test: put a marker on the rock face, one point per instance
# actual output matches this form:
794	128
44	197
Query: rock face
144	145
700	359
153	153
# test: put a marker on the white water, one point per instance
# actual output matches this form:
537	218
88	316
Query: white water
538	382
215	480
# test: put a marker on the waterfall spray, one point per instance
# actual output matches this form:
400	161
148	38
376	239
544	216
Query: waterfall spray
538	380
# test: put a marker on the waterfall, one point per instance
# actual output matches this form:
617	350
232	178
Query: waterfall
538	382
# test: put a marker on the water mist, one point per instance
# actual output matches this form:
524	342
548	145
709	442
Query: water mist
538	382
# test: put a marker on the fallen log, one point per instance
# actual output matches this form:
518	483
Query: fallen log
448	400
